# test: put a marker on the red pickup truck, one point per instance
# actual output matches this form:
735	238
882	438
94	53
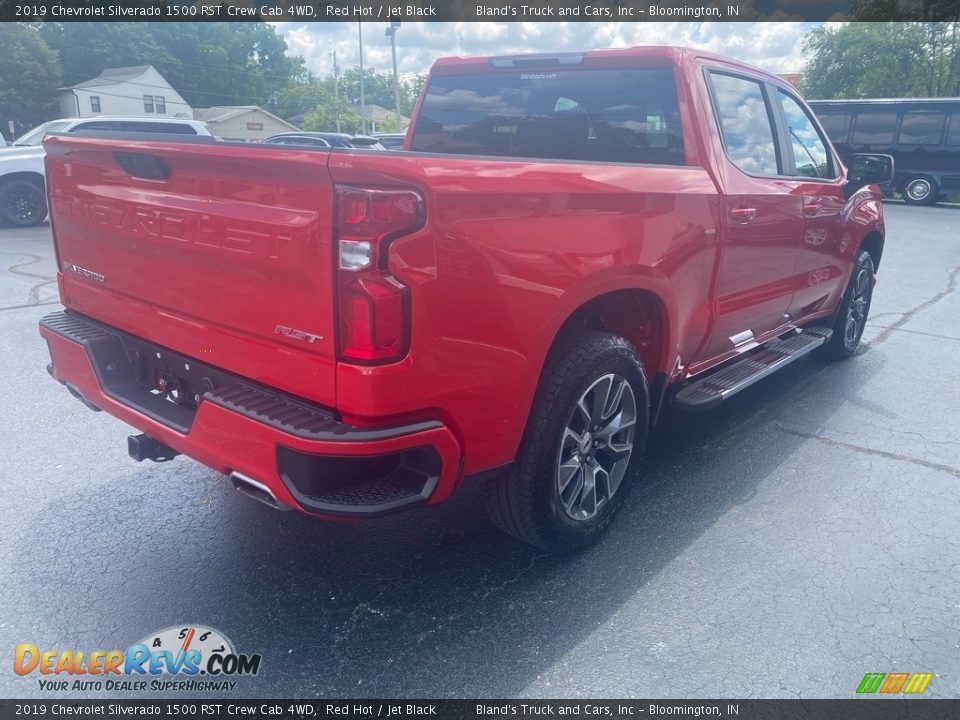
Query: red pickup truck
566	244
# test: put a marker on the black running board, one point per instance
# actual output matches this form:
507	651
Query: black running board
715	388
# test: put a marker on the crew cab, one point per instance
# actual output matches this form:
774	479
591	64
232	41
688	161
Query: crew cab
567	245
22	192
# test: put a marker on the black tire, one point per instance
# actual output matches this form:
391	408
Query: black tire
853	308
920	190
22	203
526	502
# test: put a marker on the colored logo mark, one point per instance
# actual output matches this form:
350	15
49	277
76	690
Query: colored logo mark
893	683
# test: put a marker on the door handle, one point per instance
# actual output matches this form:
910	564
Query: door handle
743	215
812	209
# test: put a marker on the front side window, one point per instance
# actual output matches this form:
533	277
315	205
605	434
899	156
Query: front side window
921	128
94	103
810	155
160	102
98	126
166	128
745	124
148	103
628	115
308	142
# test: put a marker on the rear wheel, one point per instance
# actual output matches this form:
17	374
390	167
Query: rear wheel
920	190
22	203
581	448
851	317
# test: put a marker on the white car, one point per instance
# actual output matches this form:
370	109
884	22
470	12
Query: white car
23	199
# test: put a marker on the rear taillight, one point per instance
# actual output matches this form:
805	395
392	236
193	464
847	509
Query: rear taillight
374	306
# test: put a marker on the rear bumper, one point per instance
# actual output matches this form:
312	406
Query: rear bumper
303	453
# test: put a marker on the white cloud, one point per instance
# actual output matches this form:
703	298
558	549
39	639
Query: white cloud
774	46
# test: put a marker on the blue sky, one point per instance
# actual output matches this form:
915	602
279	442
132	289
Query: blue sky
774	46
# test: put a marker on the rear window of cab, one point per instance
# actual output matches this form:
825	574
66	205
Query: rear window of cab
626	115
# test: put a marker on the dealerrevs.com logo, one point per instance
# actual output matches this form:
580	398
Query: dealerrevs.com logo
177	658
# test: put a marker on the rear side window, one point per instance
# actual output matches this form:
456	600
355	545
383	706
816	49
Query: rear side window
874	128
745	124
592	115
921	128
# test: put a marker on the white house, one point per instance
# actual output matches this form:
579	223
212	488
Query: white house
376	116
139	90
242	123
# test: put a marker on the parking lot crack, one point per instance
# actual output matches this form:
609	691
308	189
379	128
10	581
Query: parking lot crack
34	296
909	314
955	472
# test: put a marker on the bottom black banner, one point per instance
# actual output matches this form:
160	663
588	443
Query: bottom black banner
852	709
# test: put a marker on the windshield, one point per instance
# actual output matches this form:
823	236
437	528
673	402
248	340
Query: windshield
35	136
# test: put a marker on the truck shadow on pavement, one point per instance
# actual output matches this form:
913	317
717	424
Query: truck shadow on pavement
432	603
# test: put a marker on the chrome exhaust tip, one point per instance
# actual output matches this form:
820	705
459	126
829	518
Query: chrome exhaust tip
256	490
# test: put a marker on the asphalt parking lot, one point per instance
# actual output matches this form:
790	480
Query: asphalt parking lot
805	533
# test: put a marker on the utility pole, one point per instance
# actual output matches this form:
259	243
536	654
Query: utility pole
336	87
391	33
363	99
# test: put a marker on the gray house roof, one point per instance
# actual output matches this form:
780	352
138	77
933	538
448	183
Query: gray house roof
377	113
220	113
111	76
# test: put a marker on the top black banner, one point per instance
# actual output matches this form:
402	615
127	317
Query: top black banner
482	10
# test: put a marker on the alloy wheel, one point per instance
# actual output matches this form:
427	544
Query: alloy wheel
596	447
22	205
859	307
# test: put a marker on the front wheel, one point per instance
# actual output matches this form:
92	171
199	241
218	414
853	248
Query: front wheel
22	203
851	317
920	190
582	445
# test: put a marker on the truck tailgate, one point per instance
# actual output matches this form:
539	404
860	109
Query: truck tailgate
219	252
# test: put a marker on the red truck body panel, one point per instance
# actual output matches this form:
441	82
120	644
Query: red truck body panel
504	261
233	244
236	248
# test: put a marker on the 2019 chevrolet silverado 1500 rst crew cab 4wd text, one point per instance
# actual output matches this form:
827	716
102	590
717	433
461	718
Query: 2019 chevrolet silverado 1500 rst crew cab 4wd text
566	244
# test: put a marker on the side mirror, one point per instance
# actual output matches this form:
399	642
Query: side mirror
870	169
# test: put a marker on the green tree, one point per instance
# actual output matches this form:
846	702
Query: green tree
378	89
323	118
389	124
215	63
878	59
304	95
29	77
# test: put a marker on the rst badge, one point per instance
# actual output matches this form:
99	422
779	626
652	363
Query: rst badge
297	334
